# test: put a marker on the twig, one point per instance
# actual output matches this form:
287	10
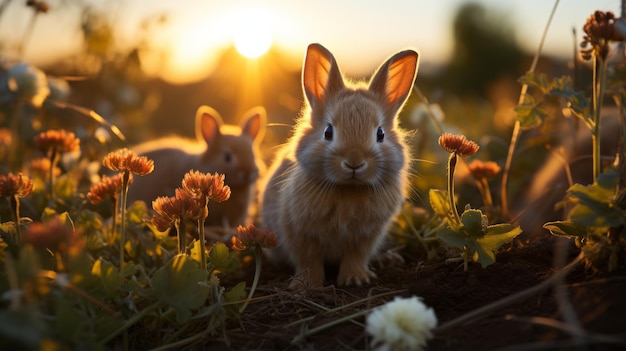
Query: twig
507	301
517	129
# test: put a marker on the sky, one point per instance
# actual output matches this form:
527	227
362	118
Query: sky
360	33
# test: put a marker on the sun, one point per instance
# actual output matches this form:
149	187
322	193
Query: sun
252	34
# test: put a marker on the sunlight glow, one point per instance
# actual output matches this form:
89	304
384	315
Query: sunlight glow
253	36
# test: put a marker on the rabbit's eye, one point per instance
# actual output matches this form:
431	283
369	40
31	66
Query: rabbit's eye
328	132
380	135
228	157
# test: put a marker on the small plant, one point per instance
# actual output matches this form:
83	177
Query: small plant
596	218
126	162
257	240
469	231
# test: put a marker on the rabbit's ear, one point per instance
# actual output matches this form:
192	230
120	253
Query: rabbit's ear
394	79
320	74
208	123
254	122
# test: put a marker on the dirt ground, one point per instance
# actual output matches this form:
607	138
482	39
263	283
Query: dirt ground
282	320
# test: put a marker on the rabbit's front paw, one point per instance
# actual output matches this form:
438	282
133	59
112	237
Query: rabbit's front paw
354	275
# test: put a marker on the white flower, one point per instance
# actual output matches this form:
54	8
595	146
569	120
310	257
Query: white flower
402	324
29	83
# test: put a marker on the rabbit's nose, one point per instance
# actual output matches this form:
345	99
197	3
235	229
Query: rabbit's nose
353	166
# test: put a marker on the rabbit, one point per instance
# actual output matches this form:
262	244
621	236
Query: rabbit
335	186
225	149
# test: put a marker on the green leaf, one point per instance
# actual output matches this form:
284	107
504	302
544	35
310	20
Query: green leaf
529	114
181	285
538	81
221	259
567	229
109	276
596	215
474	223
453	237
65	187
440	203
595	204
497	235
237	293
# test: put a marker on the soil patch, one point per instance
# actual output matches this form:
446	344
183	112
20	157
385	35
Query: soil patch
282	320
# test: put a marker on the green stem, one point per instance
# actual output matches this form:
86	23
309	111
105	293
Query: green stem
125	179
202	239
599	80
116	205
181	231
258	257
451	166
54	160
15	210
517	129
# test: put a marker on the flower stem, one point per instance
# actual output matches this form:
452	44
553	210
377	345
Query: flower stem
517	129
202	243
258	257
125	180
181	231
54	160
15	210
451	166
599	80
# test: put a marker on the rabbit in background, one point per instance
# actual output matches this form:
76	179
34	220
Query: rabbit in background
226	149
342	177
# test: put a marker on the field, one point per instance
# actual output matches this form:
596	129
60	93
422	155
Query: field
512	233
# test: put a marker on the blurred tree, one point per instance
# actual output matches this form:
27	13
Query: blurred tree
484	51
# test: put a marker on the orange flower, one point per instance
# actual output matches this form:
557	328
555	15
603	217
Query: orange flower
57	141
458	144
207	185
176	208
109	187
125	160
41	167
486	170
250	236
15	185
54	234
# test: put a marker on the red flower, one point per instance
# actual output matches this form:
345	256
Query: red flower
458	144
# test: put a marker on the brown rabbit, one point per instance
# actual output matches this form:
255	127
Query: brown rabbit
339	181
229	150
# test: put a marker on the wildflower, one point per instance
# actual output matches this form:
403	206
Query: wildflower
600	29
15	185
258	239
28	83
483	170
40	167
402	324
125	160
169	210
54	234
56	141
250	236
207	185
109	187
458	144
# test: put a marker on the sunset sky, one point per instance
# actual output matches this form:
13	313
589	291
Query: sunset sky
360	33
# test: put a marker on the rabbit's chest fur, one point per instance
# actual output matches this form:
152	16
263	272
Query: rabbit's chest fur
335	219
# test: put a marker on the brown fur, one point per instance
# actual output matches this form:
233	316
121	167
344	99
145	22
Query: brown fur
229	150
332	200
